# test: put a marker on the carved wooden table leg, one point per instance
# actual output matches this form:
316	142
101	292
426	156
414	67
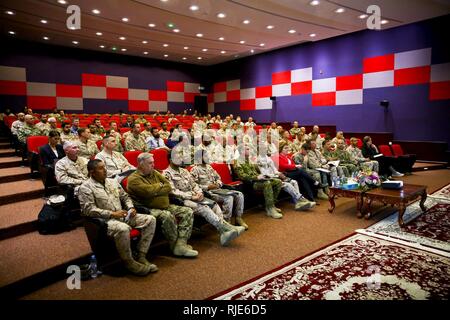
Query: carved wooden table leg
331	199
401	211
359	206
369	203
422	201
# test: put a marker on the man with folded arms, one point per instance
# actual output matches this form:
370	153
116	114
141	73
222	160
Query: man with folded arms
116	164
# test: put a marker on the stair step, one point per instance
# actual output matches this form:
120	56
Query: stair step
14	174
7	152
19	218
20	190
9	162
5	145
32	261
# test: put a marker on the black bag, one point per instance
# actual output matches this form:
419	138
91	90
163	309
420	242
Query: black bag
52	220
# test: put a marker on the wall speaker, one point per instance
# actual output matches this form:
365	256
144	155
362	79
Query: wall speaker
273	98
384	103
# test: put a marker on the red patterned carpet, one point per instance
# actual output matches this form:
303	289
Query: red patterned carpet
444	193
357	268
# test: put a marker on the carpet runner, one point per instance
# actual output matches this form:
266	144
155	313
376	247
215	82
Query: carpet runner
443	194
360	267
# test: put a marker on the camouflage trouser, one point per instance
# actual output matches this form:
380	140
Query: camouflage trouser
271	188
120	231
349	167
341	171
176	222
291	187
318	176
232	204
370	165
214	216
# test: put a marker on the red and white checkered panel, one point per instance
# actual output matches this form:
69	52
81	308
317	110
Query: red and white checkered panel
178	91
75	104
412	67
263	104
379	79
324	92
440	82
13	81
158	105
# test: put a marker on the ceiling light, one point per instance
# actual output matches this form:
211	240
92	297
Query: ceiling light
11	13
113	48
199	58
339	10
44	21
262	44
144	41
194	8
384	21
221	15
164	0
246	21
252	51
223	52
242	42
199	35
312	35
292	31
96	11
102	46
221	38
314	2
176	30
270	27
75	42
363	16
62	1
145	52
152	25
165	45
46	38
170	25
204	50
125	19
166	55
123	49
185	48
122	38
99	33
11	32
184	58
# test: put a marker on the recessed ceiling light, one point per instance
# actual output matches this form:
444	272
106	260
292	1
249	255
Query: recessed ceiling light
152	25
221	38
122	38
236	55
199	58
221	15
242	42
11	13
75	42
176	30
312	35
95	11
184	58
164	0
384	21
11	32
125	19
363	16
72	28
44	21
252	51
204	50
144	41
185	48
171	25
223	52
166	55
113	48
99	33
102	46
314	2
165	45
292	31
270	27
262	44
62	1
199	35
194	8
123	49
145	52
246	21
46	38
339	10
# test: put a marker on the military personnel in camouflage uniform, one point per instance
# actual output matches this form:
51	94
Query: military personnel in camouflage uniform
66	134
95	135
52	125
88	148
115	162
19	123
356	153
135	141
332	155
99	128
115	132
209	180
346	160
150	189
248	171
141	119
295	130
105	199
316	160
43	125
164	133
147	131
184	188
28	129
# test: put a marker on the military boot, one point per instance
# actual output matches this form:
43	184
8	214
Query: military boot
241	222
227	234
273	213
302	204
321	195
182	249
137	268
239	229
143	260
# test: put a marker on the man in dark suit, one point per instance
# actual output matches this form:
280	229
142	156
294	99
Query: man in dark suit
129	123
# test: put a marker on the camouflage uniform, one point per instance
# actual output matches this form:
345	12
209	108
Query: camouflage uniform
316	160
99	201
43	127
356	154
164	134
16	125
249	172
233	204
140	120
146	134
68	137
341	170
96	137
68	172
316	175
118	137
133	143
295	131
88	149
115	163
347	161
27	131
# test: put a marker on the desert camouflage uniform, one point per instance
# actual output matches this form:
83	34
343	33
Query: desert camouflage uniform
16	125
317	160
44	127
347	161
233	204
356	153
164	134
341	169
146	134
68	137
249	172
133	143
27	131
295	131
68	172
99	201
88	149
115	163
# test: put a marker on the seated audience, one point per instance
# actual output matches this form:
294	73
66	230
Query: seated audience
369	150
117	165
135	141
154	141
364	163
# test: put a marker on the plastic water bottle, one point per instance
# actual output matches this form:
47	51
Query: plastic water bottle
93	267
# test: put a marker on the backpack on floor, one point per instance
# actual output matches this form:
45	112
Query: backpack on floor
52	218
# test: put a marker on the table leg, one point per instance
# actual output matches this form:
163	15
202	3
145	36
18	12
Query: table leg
331	199
422	201
401	211
359	206
369	209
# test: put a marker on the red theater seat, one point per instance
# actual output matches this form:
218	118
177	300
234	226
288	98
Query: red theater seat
131	156
397	149
224	172
33	144
161	160
385	150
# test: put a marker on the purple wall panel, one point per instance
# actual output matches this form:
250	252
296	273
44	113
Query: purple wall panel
104	106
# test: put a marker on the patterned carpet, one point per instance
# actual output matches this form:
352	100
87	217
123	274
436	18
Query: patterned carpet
357	268
443	194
